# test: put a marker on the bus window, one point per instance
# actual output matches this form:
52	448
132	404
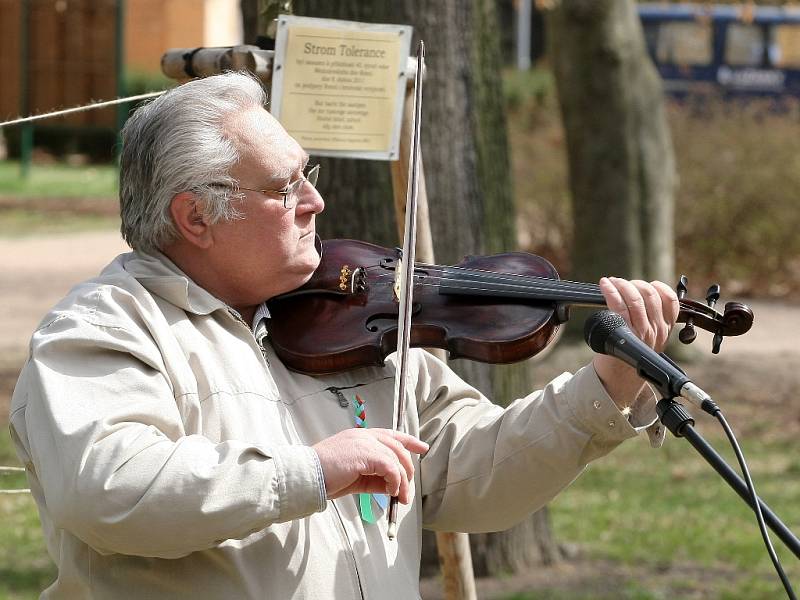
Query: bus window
784	46
744	45
684	43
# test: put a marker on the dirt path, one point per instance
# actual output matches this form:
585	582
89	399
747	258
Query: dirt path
35	272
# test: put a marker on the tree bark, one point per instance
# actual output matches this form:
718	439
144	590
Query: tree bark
467	168
621	162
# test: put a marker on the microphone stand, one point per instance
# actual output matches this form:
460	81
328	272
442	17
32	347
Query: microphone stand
675	418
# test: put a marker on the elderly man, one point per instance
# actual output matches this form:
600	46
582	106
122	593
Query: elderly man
173	455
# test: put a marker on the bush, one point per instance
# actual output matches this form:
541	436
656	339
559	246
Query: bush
737	218
736	215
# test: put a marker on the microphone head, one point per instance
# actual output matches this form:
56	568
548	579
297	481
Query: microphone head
599	326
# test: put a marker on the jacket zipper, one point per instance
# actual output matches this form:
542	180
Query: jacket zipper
344	403
337	391
343	531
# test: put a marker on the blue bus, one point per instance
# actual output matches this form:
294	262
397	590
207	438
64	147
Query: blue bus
738	50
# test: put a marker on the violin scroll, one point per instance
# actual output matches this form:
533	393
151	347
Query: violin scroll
736	319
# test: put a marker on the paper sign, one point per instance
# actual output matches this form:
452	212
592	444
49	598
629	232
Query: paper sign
338	87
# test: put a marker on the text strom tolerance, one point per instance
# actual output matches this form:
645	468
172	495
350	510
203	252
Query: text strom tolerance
344	50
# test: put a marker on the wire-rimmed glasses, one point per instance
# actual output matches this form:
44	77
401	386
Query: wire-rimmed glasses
290	192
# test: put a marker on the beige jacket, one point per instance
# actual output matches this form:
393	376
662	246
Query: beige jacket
170	457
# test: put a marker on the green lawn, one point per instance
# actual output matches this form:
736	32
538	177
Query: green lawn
25	567
58	181
57	198
20	222
668	509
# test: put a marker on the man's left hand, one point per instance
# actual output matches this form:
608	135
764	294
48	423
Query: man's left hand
650	310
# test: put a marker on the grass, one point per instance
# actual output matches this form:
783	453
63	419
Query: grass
25	567
666	520
27	222
58	181
57	198
664	508
662	523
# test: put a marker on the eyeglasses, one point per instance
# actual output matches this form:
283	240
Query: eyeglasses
290	192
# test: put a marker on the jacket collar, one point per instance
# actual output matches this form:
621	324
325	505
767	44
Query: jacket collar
160	276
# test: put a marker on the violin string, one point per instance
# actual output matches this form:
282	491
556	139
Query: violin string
683	305
511	278
473	286
435	282
493	276
555	285
513	281
531	290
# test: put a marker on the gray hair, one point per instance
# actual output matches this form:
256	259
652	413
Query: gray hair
177	143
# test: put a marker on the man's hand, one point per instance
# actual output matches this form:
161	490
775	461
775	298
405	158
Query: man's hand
650	310
369	460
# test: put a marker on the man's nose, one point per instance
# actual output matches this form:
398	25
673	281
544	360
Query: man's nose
309	199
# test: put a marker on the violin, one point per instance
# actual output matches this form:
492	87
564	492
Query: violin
496	309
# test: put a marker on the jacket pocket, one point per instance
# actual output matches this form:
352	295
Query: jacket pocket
339	405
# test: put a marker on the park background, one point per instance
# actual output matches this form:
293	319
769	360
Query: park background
639	524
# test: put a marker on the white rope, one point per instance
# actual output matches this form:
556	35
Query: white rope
8	471
12	469
91	106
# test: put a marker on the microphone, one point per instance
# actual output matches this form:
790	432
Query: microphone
607	333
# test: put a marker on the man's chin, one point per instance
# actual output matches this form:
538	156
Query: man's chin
313	264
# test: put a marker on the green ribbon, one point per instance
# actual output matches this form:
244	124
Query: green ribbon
365	504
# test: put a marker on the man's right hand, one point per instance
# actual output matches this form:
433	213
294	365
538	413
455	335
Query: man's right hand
370	461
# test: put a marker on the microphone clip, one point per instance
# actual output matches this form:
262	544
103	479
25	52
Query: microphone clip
673	416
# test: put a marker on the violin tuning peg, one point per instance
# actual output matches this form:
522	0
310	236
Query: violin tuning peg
713	295
688	334
718	337
682	287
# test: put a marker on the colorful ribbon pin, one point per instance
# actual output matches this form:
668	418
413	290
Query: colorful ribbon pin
365	500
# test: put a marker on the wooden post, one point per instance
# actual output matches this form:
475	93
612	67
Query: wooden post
455	557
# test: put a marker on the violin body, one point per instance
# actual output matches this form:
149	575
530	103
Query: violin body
346	315
495	309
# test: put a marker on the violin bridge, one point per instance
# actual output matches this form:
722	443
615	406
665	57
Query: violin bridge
398	279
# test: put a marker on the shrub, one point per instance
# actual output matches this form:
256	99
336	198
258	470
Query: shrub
736	207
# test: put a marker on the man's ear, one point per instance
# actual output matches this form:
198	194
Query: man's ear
187	215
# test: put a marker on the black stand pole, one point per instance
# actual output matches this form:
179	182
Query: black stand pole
680	423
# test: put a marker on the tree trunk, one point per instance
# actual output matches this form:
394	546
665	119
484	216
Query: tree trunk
249	10
621	163
515	550
468	180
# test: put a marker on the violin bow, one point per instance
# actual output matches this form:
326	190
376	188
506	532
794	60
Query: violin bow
404	274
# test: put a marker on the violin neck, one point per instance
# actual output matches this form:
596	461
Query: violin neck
467	282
